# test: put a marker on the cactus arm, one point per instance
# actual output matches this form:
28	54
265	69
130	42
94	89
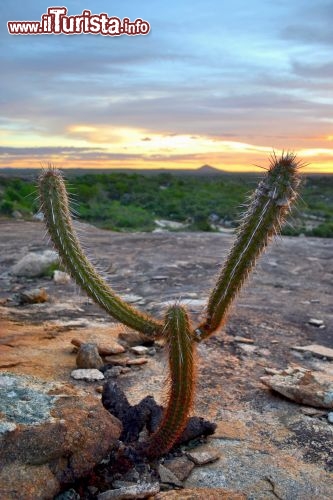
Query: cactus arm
268	209
181	383
55	207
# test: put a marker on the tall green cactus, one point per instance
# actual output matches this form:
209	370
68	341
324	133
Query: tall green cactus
180	384
268	208
55	207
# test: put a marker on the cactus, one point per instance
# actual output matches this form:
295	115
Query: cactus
267	210
181	384
55	207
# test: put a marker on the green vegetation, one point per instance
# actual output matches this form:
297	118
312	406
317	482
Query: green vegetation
132	202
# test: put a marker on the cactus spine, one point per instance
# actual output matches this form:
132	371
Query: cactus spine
181	382
268	208
55	206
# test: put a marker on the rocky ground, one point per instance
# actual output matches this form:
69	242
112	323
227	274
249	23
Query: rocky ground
267	446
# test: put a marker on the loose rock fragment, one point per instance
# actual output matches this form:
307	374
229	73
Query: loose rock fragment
88	357
303	386
317	350
89	375
133	338
140	490
203	457
34	296
168	477
243	340
60	277
35	264
140	349
103	349
125	361
200	493
181	467
316	322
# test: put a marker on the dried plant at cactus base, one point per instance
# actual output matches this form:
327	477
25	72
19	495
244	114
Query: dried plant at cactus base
269	205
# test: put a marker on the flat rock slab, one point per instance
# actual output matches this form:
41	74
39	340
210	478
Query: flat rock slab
317	350
141	490
201	493
303	386
50	434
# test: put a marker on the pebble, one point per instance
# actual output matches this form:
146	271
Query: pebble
103	349
61	278
125	361
180	467
116	371
88	357
34	296
312	412
89	375
140	490
203	457
140	349
316	349
168	477
330	417
134	338
316	322
244	340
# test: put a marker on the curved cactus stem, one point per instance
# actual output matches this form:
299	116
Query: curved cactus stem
181	383
55	207
267	210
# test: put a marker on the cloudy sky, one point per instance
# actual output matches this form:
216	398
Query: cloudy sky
214	82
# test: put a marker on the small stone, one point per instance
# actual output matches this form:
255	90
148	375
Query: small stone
203	457
140	349
313	412
103	349
61	278
88	357
316	349
303	386
138	491
180	467
89	375
248	348
243	340
330	417
316	322
116	371
34	296
35	264
133	338
168	477
159	277
125	361
199	493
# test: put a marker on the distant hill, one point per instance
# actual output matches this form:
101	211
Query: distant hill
209	170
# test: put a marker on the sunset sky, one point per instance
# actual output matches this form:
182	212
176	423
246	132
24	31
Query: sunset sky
214	82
